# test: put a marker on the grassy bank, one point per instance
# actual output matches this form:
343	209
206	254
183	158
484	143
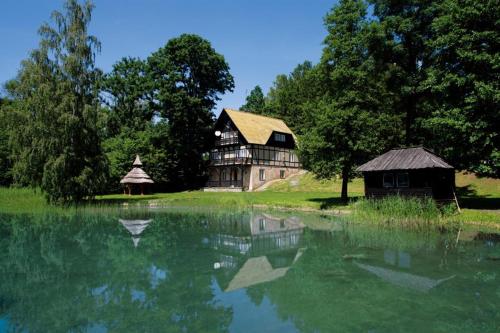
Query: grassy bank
479	199
409	213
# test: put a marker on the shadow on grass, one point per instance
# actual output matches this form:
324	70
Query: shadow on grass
124	199
468	198
327	203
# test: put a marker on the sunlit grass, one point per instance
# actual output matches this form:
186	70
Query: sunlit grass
407	212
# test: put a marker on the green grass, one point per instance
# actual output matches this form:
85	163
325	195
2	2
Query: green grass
304	200
408	213
22	200
479	199
308	183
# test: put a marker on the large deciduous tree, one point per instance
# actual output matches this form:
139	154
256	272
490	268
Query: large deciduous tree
407	28
293	97
465	81
352	120
189	75
57	147
129	92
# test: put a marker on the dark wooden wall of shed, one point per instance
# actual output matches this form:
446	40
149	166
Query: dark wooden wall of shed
440	181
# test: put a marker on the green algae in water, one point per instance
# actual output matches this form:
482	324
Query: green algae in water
242	271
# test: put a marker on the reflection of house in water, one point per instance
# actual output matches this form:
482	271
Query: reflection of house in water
135	227
401	260
263	250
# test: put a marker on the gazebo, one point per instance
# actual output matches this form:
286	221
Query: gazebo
136	178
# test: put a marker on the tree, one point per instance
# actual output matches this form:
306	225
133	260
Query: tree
189	75
353	119
57	146
292	97
6	124
465	81
129	89
255	102
407	28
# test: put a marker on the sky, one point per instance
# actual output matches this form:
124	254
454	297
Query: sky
258	38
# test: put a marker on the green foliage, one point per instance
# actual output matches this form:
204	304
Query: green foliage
406	29
255	102
6	126
57	146
189	75
152	146
353	121
465	79
130	89
293	97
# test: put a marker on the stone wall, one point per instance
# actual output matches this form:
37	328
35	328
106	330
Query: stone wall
271	173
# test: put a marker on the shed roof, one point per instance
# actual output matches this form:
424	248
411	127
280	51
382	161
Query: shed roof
255	128
405	159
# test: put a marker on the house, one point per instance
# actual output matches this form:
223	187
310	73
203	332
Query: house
413	171
250	150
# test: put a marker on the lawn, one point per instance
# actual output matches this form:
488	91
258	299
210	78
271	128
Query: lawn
479	198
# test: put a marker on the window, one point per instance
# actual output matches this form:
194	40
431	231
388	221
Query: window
282	174
262	224
262	175
388	180
279	137
402	180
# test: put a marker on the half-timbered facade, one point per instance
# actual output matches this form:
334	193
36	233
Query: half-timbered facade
249	151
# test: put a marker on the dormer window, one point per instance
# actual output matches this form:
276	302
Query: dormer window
278	137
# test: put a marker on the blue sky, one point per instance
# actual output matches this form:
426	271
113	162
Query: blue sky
259	38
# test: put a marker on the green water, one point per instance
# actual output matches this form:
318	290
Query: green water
178	271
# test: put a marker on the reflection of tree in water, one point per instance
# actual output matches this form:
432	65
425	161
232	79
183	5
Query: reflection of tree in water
68	274
82	272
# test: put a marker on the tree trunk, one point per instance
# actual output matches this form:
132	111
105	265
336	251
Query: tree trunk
345	179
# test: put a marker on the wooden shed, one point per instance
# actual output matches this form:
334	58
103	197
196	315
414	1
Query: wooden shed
413	171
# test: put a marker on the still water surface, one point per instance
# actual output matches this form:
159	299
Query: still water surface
179	271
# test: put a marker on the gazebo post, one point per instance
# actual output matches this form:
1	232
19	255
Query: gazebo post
142	189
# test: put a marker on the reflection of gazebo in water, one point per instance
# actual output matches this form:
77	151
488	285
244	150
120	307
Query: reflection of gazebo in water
136	178
135	227
263	252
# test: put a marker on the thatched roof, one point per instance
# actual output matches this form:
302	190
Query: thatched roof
255	128
405	159
137	175
137	161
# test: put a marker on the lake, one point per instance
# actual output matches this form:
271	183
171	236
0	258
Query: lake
241	271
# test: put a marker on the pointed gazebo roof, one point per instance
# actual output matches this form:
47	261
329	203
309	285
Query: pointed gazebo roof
137	175
135	227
